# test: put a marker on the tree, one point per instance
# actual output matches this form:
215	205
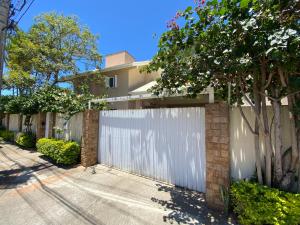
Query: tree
24	106
4	99
250	46
60	100
54	46
64	101
20	53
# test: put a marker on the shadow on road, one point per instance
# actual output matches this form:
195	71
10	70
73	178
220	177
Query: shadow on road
188	207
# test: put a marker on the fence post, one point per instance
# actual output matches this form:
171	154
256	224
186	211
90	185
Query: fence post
217	153
40	122
89	144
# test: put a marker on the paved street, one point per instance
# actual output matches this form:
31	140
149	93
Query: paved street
34	191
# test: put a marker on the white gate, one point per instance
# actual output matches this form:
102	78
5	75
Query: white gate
167	144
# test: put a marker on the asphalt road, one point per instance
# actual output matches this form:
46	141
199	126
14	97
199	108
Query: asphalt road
34	191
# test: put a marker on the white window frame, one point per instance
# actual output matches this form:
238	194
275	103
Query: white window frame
115	81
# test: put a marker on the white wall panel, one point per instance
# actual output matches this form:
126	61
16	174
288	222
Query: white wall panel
167	144
73	130
242	140
14	122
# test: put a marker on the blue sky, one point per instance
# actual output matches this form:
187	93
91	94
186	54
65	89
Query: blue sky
122	25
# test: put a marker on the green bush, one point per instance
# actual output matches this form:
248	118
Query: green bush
27	140
61	152
2	127
257	204
7	135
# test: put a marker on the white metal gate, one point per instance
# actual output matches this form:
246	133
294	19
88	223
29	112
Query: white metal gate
167	144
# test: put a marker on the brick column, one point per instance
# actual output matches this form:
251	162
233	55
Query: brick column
40	125
89	145
217	153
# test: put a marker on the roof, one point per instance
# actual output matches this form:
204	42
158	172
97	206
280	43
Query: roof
115	53
143	89
108	69
125	66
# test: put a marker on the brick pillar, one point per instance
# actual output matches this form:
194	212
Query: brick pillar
89	145
217	153
40	125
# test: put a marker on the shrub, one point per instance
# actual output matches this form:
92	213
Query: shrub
26	140
257	204
7	135
2	127
61	152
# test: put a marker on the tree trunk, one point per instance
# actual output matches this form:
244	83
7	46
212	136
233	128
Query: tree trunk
257	154
268	145
2	116
266	128
257	103
298	189
295	153
67	130
278	142
20	125
28	123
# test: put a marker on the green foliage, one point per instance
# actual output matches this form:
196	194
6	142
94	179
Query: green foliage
55	46
257	204
3	102
7	135
225	42
66	153
2	127
59	100
20	58
26	105
14	105
48	99
26	140
69	153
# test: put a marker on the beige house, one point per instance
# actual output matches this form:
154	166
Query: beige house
123	77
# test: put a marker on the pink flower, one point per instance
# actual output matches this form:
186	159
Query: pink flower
172	24
178	14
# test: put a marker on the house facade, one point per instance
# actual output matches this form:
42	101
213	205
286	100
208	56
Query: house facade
122	77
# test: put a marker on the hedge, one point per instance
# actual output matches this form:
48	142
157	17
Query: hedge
62	152
7	135
257	204
27	140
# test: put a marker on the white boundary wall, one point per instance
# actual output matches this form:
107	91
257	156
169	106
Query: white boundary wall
242	141
72	131
14	122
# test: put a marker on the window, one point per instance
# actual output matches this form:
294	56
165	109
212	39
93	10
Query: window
111	82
